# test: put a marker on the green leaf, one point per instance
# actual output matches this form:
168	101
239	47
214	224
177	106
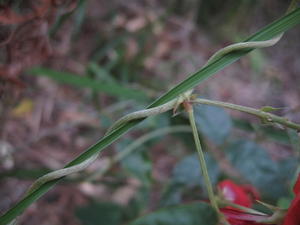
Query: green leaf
137	163
172	195
270	177
100	213
101	73
187	214
277	27
213	122
187	174
112	89
139	203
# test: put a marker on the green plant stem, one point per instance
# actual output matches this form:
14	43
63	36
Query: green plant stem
137	143
209	188
265	116
203	166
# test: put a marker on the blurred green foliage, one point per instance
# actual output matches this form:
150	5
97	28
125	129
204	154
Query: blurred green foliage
213	122
271	177
100	214
186	214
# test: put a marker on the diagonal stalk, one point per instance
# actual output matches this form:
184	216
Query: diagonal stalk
265	116
204	171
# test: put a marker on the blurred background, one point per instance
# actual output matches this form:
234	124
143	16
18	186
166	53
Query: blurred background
70	68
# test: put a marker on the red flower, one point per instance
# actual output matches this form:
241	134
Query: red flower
236	217
242	195
293	214
238	194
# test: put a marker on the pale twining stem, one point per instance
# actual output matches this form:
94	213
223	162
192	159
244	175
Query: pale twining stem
203	166
292	6
265	116
250	44
141	114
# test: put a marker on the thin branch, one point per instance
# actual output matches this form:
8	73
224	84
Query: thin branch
203	166
265	116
